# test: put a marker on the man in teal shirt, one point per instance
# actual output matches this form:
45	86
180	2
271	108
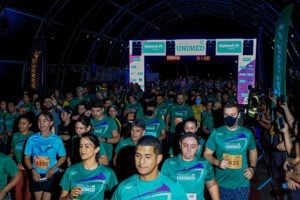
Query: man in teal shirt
133	105
154	125
149	183
162	107
191	172
105	128
176	114
235	148
8	168
125	150
136	132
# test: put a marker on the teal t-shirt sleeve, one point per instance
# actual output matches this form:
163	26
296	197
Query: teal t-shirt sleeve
113	125
252	143
162	125
211	142
210	172
117	194
118	147
112	181
11	167
164	168
65	182
102	150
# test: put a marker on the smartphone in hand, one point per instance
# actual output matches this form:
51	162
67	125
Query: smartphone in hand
280	123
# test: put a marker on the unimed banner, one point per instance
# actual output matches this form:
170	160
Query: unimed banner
281	38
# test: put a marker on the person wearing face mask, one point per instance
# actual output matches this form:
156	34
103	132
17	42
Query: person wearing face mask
198	108
236	155
154	125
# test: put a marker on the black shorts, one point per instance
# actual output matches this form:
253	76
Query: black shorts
44	185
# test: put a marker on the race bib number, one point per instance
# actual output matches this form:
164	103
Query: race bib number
41	162
191	196
234	161
177	120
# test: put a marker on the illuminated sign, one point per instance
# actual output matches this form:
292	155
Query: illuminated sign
154	47
173	58
205	58
198	48
229	47
190	47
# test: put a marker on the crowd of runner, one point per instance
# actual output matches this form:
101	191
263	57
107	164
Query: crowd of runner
181	139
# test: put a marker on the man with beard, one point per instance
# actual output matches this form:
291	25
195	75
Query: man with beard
236	155
50	105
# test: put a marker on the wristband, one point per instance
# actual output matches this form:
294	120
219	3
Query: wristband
106	139
252	167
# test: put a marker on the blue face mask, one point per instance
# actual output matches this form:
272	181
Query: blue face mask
230	121
197	101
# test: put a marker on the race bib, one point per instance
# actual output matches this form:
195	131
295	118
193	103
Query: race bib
191	196
41	162
234	161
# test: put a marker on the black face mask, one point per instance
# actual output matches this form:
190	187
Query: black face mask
149	112
230	121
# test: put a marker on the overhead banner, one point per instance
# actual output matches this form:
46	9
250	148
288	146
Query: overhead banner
154	47
229	46
192	47
281	38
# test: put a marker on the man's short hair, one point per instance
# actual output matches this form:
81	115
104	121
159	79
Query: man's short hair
231	105
150	140
139	123
97	104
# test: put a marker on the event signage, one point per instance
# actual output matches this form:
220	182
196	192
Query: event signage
281	38
197	47
154	47
228	47
137	70
190	47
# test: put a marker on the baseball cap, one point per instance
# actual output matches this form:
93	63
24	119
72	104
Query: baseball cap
67	109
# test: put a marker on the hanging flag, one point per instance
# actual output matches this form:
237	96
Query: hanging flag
281	38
